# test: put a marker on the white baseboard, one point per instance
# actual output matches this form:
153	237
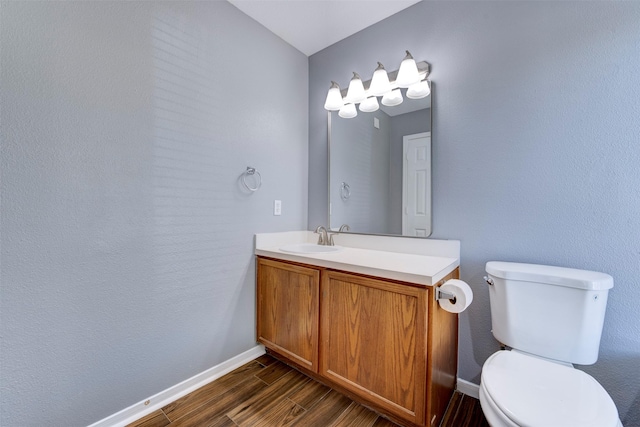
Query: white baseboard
157	401
468	388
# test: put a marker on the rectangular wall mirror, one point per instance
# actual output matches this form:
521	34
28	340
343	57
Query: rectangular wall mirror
380	170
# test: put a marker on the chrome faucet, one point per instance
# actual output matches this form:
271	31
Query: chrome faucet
323	238
343	227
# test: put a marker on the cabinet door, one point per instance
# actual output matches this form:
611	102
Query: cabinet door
374	341
287	310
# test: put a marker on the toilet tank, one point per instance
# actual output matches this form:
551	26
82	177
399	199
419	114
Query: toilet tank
552	312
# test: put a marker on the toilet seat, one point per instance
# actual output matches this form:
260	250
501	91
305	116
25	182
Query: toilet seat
492	413
525	390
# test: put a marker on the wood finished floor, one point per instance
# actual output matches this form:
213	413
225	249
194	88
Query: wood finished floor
265	392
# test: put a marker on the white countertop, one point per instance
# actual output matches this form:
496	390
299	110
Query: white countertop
411	266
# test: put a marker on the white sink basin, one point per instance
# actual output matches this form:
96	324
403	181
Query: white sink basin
309	248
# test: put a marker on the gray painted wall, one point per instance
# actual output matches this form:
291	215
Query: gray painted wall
127	241
535	149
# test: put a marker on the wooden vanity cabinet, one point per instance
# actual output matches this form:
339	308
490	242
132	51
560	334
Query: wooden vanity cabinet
374	340
287	310
388	344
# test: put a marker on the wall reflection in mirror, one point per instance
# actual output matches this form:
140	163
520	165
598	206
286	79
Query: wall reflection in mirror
380	169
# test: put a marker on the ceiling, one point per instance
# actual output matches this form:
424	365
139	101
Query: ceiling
312	25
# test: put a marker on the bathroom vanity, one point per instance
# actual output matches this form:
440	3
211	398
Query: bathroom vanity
363	320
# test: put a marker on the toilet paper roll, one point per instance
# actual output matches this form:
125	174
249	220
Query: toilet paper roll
463	295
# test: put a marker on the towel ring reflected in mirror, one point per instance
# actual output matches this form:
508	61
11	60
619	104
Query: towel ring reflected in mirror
345	191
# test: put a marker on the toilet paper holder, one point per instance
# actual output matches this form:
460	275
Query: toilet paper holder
445	295
454	295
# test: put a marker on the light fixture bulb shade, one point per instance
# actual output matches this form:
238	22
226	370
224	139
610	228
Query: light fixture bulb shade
379	82
393	98
355	93
348	111
369	105
334	98
408	73
419	90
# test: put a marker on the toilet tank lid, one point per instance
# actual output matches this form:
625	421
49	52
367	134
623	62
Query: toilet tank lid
559	276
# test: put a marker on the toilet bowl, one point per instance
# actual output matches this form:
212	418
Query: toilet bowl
518	389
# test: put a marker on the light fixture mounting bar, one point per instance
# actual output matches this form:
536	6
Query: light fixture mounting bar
423	70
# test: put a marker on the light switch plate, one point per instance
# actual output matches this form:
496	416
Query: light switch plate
277	207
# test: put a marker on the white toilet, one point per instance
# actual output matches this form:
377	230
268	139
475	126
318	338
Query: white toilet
550	317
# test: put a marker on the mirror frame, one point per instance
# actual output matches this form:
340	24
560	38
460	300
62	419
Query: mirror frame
329	143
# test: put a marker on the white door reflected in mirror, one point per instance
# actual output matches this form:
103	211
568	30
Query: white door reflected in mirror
416	185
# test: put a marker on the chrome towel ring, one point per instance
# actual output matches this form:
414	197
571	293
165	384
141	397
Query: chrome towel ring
258	181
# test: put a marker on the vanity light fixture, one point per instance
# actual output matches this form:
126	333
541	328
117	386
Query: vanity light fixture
419	90
408	72
334	98
348	111
356	93
379	82
411	77
369	105
393	98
